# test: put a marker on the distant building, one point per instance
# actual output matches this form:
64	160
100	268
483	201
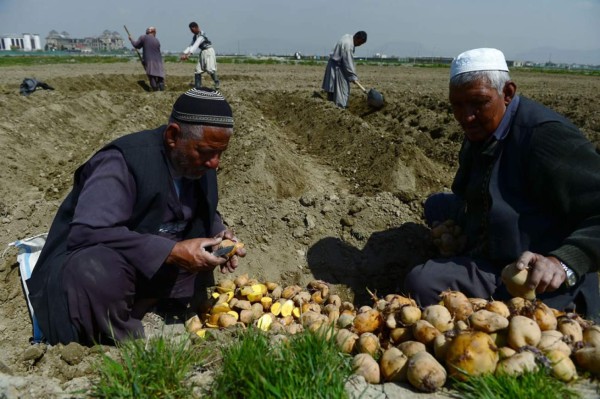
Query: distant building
24	42
108	41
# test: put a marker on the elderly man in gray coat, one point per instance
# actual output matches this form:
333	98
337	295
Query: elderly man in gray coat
341	70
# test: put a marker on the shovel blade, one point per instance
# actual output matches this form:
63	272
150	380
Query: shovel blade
375	99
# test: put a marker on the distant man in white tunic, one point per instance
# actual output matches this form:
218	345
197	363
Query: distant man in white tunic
207	60
341	70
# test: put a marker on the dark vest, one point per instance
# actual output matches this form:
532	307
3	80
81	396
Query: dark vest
205	44
517	222
145	156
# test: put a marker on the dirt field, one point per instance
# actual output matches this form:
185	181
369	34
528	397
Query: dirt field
313	191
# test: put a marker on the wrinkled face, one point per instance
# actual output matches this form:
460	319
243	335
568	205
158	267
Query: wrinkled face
191	158
478	108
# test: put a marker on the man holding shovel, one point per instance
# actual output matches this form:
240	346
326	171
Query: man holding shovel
341	70
152	60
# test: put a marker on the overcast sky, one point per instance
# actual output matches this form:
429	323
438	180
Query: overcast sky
552	29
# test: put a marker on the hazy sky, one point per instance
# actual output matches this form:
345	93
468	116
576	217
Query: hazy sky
552	29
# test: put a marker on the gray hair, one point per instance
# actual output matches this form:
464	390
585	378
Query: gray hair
496	79
191	131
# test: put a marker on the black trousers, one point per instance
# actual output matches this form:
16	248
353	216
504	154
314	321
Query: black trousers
107	297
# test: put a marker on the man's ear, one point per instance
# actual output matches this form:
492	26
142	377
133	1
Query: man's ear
509	90
172	135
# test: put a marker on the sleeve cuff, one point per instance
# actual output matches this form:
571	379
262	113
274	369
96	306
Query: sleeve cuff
574	258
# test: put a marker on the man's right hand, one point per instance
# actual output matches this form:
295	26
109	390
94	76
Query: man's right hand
192	255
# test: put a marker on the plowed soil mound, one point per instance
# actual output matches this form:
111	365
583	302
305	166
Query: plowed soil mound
313	191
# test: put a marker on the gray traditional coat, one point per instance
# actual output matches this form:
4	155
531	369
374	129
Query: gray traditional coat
340	71
153	61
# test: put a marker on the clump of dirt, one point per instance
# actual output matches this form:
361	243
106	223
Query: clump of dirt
312	190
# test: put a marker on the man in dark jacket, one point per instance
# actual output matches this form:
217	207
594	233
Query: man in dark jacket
527	191
138	226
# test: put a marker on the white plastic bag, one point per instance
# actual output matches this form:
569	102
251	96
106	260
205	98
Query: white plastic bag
29	252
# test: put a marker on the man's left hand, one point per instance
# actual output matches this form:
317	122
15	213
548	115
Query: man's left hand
545	273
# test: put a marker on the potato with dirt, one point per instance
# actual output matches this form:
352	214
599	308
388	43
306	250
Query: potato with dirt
471	354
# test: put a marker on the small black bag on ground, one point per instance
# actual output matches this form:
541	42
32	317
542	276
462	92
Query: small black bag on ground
30	85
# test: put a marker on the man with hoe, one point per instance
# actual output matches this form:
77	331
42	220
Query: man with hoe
152	58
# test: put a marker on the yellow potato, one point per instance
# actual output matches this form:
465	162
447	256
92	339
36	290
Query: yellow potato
346	340
486	321
563	367
589	359
363	364
411	348
514	280
523	331
471	354
393	365
517	364
425	373
368	343
228	243
368	321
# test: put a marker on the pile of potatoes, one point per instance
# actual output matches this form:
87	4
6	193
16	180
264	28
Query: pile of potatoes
394	340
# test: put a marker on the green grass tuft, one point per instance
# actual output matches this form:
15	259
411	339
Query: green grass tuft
530	385
152	369
305	365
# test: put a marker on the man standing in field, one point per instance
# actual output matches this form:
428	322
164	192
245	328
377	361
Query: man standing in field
153	62
526	194
207	60
340	70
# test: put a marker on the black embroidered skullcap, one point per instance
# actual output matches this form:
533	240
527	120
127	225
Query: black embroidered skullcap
203	107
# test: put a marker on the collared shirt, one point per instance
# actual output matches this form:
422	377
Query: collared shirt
504	126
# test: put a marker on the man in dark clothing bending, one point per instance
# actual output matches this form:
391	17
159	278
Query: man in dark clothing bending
527	190
138	226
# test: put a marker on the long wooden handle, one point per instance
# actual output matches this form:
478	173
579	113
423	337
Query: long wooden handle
136	50
361	86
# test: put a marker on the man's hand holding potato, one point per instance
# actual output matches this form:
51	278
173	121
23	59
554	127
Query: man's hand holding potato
229	239
192	254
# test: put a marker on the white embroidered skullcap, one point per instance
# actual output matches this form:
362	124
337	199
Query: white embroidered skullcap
479	59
